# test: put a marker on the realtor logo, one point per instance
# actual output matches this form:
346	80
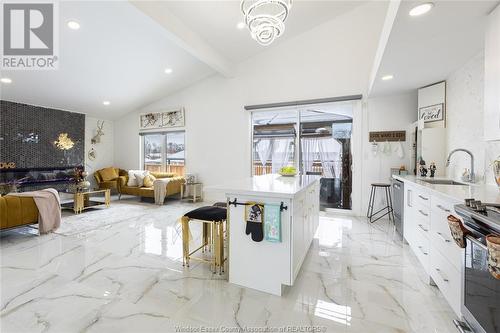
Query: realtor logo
29	36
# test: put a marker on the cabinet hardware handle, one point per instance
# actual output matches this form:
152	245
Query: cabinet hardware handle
443	209
441	275
421	212
442	237
420	248
422	227
422	197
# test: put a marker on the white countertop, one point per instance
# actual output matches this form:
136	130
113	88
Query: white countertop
272	185
485	193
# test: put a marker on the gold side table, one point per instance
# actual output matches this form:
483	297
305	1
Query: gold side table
195	188
82	200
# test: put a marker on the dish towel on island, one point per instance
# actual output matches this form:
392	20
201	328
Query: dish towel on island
49	208
272	222
160	189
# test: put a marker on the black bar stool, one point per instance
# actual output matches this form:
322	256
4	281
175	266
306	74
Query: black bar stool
386	210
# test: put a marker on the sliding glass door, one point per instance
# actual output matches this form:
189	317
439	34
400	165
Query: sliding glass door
316	139
274	141
325	141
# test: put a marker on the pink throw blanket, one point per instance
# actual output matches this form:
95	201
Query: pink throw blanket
49	208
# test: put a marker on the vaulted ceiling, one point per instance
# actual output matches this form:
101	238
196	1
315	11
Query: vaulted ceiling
122	49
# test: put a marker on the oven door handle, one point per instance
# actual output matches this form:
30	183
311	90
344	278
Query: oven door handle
475	241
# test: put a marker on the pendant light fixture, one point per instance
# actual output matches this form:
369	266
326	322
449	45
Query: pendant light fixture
265	18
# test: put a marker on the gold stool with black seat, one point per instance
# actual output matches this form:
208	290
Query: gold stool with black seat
214	220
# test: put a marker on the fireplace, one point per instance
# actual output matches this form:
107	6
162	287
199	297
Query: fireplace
38	178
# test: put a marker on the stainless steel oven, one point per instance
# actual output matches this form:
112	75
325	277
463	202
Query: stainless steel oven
481	291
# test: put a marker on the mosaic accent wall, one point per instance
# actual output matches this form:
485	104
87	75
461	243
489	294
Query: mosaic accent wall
34	137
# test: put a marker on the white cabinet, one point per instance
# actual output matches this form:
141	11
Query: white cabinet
492	77
409	213
441	238
447	278
446	256
426	231
417	223
305	220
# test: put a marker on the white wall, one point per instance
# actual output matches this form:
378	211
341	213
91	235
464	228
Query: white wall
104	149
386	113
323	62
465	101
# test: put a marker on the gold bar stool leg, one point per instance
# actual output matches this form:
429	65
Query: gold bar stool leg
221	247
213	243
204	238
217	247
185	241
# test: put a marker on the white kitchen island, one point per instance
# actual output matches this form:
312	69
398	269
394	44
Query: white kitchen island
268	266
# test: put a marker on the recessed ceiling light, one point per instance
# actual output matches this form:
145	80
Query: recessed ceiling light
421	9
168	70
106	103
74	25
240	25
387	77
6	80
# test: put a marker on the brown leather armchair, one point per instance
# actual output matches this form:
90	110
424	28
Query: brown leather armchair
17	211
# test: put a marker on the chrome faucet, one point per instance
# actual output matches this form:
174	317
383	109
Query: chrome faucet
471	177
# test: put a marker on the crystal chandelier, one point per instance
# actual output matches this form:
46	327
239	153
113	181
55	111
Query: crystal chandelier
265	18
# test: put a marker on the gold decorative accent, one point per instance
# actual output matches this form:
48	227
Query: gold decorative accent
7	165
82	201
64	142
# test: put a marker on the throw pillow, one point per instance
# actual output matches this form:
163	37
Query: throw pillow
108	174
132	180
131	177
139	178
149	180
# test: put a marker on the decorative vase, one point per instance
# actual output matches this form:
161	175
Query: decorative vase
496	171
493	244
190	178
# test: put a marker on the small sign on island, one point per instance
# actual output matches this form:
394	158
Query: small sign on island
387	136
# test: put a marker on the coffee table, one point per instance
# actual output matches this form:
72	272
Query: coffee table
82	200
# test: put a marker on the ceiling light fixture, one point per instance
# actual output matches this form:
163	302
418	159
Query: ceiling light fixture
168	70
265	18
106	103
421	9
387	77
240	25
73	25
6	80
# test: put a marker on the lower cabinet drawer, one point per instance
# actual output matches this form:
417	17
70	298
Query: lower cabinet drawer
421	248
440	235
442	240
447	278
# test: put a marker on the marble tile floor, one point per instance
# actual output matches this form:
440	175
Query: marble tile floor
119	270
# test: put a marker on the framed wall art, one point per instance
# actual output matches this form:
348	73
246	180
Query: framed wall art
161	120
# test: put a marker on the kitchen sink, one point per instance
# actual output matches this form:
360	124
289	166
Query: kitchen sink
443	182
